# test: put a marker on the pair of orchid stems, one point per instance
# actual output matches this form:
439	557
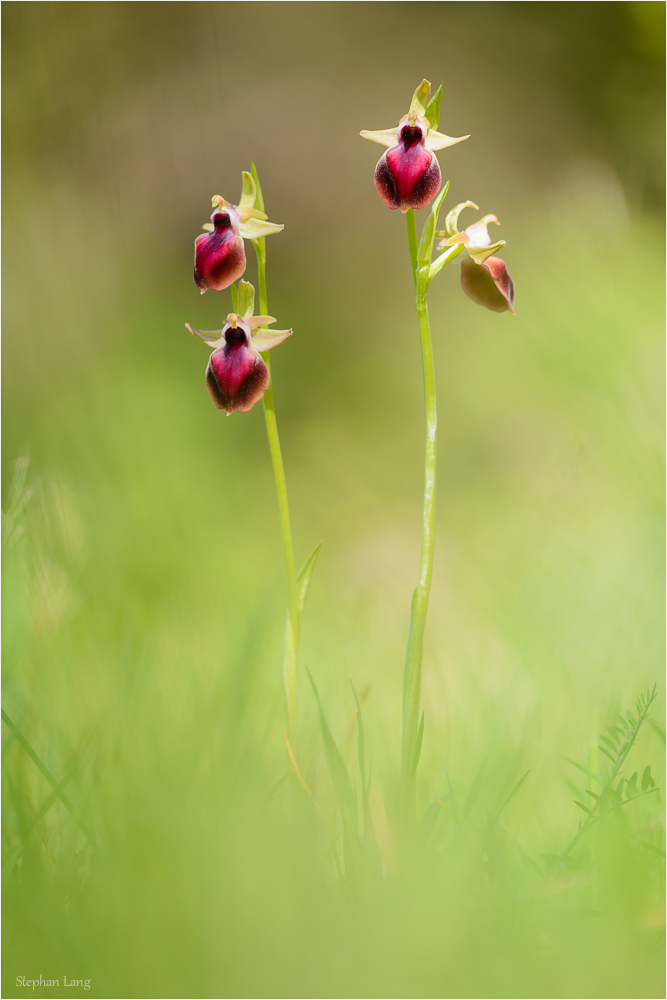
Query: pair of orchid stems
407	178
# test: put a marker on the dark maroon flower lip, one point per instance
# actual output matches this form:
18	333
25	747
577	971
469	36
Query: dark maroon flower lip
409	134
220	255
237	376
407	176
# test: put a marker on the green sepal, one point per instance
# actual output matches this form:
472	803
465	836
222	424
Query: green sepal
255	229
249	192
385	136
480	254
259	197
432	113
303	579
428	235
452	220
446	257
212	338
420	99
264	340
246	300
235	299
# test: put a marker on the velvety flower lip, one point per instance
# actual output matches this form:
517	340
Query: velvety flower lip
219	252
237	376
484	277
408	174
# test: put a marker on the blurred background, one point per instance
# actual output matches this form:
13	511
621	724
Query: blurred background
144	592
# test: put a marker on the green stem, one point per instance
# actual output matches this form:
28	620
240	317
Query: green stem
420	599
293	611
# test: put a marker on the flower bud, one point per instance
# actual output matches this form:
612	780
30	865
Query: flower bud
489	284
219	255
408	174
236	377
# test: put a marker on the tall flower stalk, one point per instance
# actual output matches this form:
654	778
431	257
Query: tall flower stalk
407	177
239	374
293	623
411	742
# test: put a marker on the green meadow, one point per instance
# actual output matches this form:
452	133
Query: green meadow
157	841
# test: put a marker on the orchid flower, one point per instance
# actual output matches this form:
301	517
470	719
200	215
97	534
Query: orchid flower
484	277
219	252
408	174
236	376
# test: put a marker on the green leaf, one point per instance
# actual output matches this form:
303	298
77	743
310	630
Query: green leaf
580	767
592	795
418	749
55	794
303	579
607	754
650	847
429	819
259	197
365	785
428	235
55	785
647	780
609	743
432	113
246	299
337	769
420	99
512	794
582	806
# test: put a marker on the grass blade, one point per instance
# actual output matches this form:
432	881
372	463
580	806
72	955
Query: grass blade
88	834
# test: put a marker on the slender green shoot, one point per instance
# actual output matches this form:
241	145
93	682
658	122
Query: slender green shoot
420	599
292	625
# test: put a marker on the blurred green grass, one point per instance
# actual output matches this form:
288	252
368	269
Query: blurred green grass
143	587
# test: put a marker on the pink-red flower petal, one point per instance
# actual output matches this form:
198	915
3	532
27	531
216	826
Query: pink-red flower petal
236	376
489	284
408	175
219	256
